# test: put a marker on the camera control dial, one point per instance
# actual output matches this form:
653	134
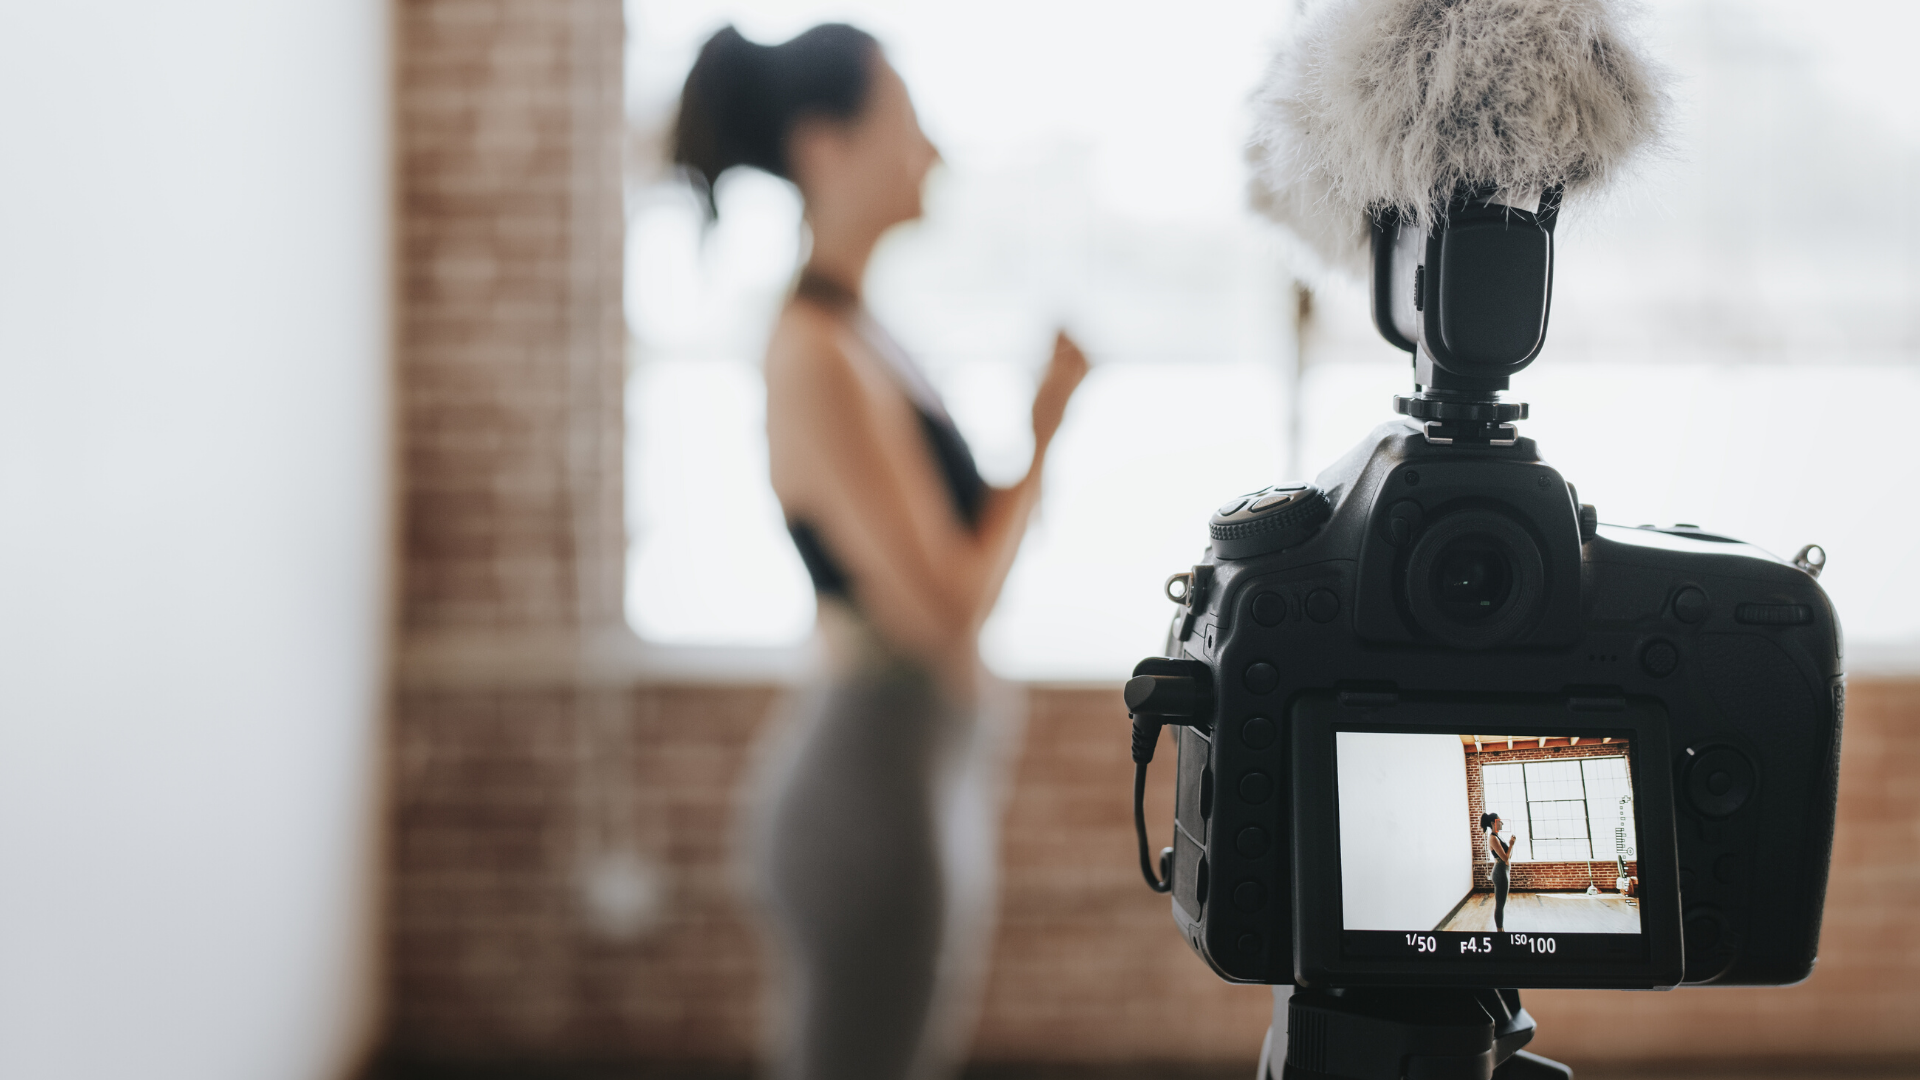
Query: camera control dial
1269	520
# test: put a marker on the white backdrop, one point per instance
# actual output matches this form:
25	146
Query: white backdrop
1406	857
193	534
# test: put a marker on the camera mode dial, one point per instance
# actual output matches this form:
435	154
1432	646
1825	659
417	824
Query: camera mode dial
1271	519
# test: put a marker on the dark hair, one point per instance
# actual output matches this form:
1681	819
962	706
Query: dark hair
1487	819
742	100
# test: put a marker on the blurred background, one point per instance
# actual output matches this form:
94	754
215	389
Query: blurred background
391	591
1720	321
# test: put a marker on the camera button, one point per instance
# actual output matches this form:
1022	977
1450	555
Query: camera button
1690	605
1269	609
1249	895
1231	508
1261	678
1720	781
1402	523
1270	501
1709	944
1252	842
1659	659
1704	927
1257	733
1255	788
1322	606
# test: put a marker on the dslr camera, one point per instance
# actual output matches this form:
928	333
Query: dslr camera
1434	653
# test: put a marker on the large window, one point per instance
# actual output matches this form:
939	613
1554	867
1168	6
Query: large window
1734	341
1093	180
1562	811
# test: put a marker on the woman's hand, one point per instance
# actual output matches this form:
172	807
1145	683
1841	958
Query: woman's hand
1064	372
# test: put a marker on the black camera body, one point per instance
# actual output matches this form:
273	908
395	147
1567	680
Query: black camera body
1444	587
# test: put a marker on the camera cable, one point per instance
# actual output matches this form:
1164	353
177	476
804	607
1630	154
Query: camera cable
1154	701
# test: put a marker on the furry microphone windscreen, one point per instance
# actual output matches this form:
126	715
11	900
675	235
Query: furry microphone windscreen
1377	104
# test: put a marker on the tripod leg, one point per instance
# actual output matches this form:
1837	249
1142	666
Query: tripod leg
1527	1066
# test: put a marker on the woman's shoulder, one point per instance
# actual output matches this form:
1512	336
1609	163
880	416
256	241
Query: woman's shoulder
808	342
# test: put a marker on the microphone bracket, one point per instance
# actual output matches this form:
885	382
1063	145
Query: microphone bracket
1423	407
1454	420
1468	295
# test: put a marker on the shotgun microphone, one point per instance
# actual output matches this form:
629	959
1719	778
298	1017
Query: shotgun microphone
1437	138
1407	105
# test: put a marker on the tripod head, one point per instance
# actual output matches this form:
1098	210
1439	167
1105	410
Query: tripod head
1387	1034
1469	298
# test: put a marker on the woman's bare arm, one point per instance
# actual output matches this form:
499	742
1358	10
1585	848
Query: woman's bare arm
1004	520
850	457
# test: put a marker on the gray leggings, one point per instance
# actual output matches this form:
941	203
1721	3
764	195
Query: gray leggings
1502	878
874	896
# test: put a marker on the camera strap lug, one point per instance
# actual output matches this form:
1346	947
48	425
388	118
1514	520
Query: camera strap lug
1191	594
1811	560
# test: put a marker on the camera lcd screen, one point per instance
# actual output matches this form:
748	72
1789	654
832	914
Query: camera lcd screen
1479	847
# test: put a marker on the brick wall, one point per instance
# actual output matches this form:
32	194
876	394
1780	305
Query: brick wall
529	748
1555	876
1577	874
496	956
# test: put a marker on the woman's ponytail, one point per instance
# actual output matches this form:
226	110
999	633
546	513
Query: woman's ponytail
742	100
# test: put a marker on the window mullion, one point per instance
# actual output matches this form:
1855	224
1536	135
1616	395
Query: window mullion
1526	801
1586	813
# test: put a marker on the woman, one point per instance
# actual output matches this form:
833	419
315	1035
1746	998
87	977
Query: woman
1502	852
873	844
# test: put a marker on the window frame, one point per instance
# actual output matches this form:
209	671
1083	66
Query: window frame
1585	801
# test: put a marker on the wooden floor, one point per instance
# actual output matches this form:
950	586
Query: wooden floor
1549	913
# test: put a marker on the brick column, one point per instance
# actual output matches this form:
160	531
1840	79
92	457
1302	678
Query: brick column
522	864
511	349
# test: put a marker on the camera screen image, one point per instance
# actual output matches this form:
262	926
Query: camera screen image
1492	846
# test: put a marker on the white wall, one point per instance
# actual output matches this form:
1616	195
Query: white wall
1406	856
193	534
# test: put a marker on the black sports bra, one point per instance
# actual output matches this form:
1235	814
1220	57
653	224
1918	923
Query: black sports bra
950	453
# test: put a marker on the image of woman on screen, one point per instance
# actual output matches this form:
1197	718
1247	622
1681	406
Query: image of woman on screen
873	834
1501	851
